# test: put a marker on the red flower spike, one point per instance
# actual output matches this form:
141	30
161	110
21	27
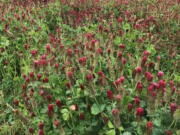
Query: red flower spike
56	123
139	112
41	132
118	97
173	107
114	111
105	119
121	79
48	97
137	101
48	47
16	102
32	114
160	74
41	92
81	116
51	108
129	106
82	87
169	132
149	125
41	125
110	94
31	131
88	77
58	103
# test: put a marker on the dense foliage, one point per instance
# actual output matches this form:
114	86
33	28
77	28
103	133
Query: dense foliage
83	67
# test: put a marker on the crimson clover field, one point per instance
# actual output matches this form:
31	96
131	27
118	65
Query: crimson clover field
89	67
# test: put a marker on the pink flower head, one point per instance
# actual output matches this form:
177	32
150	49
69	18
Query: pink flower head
46	80
145	58
31	74
120	55
110	94
82	87
109	51
105	119
61	46
41	92
147	74
120	32
80	60
150	35
127	13
139	86
67	85
139	69
147	53
51	108
88	77
100	73
41	125
121	79
110	24
58	103
69	74
173	89
81	116
32	114
139	112
150	78
16	102
162	83
118	97
124	61
48	97
169	132
84	59
158	58
117	83
100	27
149	125
137	101
151	64
56	65
88	35
151	18
24	76
120	19
173	107
27	79
93	42
114	111
31	131
100	51
69	52
160	74
41	132
48	47
122	46
150	88
129	106
154	94
56	123
171	83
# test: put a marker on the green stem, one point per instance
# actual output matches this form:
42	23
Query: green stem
171	124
